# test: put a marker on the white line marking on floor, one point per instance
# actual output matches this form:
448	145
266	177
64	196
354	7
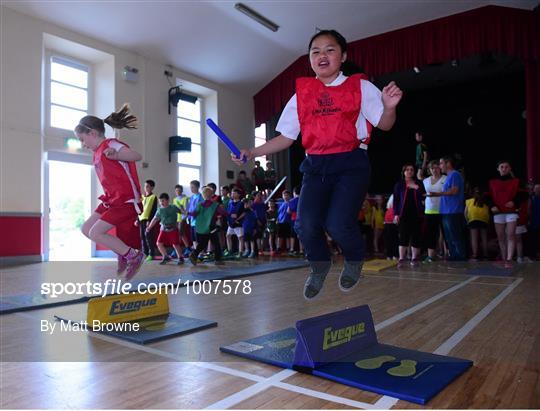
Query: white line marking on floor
172	356
249	392
324	396
459	335
385	402
423	304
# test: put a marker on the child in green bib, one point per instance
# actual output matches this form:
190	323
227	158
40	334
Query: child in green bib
207	213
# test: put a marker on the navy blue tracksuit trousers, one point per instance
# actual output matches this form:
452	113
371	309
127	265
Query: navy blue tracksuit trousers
333	190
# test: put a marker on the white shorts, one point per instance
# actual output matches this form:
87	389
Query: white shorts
521	229
505	218
237	231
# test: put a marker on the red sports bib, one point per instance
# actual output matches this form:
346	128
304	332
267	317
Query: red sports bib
328	115
503	191
119	179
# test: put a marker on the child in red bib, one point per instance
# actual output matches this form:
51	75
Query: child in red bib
114	163
505	200
334	114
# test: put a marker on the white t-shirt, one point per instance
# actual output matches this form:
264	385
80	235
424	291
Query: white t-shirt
371	109
433	204
116	145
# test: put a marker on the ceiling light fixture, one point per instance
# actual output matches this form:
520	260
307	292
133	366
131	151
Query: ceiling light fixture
416	69
256	16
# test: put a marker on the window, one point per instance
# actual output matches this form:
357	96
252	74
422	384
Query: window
68	93
189	125
260	139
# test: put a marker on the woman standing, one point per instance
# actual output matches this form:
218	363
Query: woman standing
433	183
409	212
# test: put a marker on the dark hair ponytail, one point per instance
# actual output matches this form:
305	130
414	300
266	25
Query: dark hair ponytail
478	197
123	118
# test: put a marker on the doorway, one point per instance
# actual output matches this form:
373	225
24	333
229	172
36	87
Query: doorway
70	188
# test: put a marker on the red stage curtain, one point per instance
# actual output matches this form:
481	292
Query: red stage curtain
532	83
511	31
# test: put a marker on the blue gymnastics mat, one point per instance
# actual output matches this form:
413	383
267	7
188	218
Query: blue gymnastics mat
152	329
26	302
343	347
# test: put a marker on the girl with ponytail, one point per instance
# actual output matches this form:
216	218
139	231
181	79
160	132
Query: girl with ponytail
120	204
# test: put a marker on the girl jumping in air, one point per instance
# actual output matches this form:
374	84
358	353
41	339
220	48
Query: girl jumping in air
115	167
335	114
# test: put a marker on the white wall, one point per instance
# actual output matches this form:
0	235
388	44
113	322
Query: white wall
20	115
238	122
22	138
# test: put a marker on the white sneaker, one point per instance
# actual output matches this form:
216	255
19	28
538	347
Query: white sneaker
520	260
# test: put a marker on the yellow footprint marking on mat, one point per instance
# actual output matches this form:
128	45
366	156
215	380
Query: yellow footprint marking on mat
153	325
282	343
373	363
406	369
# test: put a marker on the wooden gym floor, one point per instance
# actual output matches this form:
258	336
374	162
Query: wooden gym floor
436	308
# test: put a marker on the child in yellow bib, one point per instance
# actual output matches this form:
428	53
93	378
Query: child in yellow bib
477	216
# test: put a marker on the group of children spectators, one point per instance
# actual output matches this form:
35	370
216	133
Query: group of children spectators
429	217
209	226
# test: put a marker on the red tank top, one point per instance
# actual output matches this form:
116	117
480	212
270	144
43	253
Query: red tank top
328	114
503	191
119	179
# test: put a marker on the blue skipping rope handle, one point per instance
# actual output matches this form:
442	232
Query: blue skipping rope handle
223	137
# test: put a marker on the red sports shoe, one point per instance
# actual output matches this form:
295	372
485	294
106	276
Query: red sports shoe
135	258
122	265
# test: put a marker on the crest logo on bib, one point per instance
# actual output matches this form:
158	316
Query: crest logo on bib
325	100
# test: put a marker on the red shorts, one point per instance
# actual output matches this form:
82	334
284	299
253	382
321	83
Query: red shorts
169	238
123	218
115	215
